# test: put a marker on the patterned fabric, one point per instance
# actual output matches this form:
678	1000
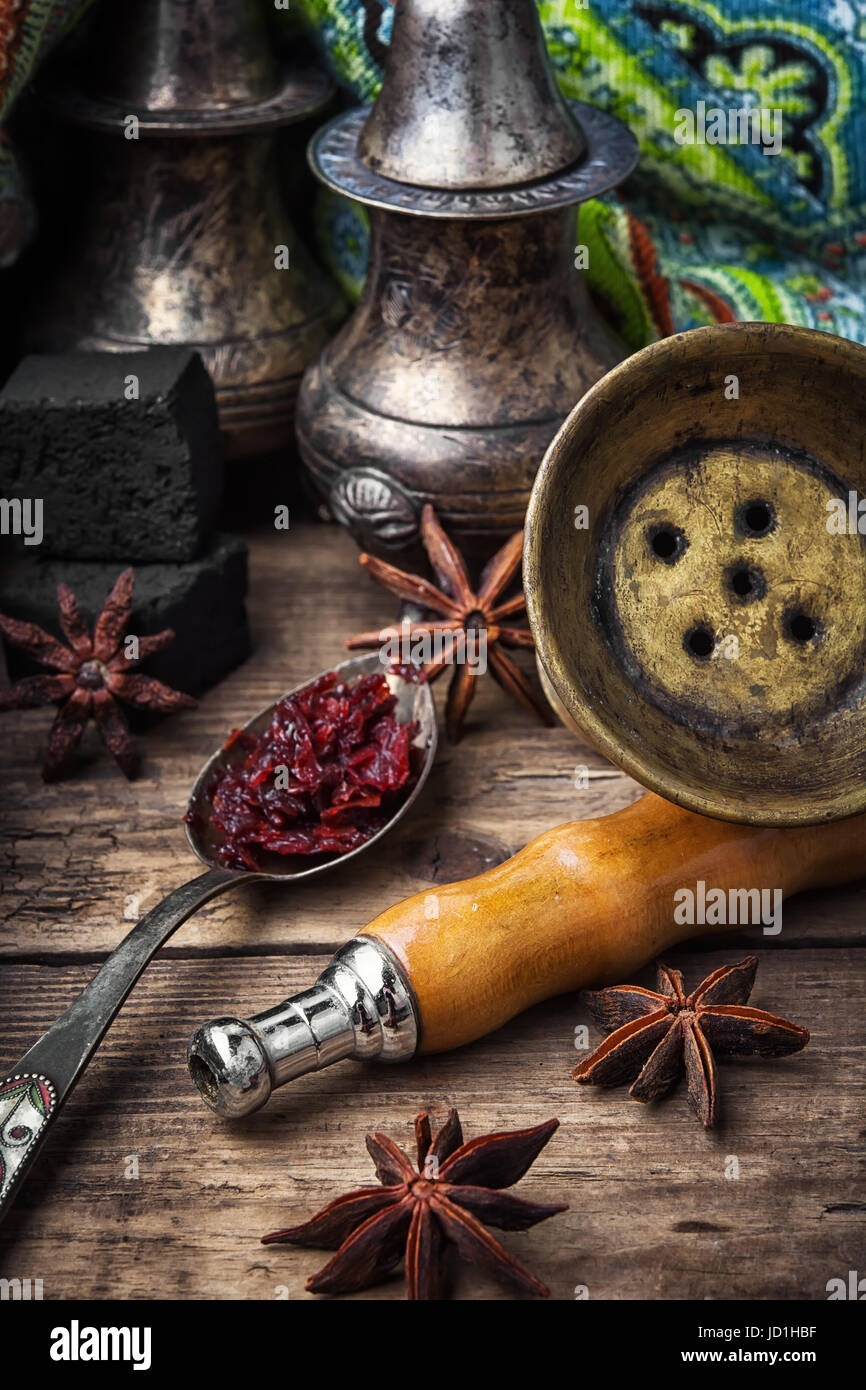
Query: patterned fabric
705	232
28	30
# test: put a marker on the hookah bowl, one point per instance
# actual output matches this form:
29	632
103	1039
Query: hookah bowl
706	630
475	334
182	223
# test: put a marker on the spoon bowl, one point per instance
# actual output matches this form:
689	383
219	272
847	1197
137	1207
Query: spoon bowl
414	705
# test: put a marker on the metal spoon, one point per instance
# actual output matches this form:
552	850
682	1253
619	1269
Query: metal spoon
31	1097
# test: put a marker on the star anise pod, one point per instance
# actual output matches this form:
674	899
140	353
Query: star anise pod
457	1188
94	676
658	1036
464	614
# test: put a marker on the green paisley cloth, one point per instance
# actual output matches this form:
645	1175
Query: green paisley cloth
704	232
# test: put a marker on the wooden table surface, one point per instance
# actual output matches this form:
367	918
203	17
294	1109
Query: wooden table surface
141	1193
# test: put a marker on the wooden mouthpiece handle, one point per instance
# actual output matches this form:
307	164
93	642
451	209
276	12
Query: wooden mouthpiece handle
587	904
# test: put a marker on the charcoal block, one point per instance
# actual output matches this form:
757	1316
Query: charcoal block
202	600
134	480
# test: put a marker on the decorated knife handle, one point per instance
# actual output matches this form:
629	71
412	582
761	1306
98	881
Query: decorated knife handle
28	1104
31	1097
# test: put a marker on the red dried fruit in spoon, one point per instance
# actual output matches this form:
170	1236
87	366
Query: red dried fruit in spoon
325	776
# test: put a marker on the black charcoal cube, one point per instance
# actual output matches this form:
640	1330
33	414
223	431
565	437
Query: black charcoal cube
202	600
122	449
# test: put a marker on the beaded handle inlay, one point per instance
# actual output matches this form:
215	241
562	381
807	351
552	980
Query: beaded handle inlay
27	1103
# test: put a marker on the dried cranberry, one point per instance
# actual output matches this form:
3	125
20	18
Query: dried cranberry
324	777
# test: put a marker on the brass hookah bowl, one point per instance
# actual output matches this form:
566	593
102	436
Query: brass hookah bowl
181	224
475	335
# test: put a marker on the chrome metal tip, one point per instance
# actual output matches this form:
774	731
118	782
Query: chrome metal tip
360	1006
229	1065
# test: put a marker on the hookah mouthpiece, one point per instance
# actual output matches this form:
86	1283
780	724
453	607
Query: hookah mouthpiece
360	1006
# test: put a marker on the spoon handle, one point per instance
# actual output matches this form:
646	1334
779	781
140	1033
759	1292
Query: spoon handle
32	1095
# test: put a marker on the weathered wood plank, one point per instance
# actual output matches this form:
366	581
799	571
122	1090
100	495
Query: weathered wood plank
652	1210
79	857
79	860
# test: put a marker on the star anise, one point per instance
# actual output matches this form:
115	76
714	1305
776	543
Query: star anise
659	1035
94	675
466	619
457	1188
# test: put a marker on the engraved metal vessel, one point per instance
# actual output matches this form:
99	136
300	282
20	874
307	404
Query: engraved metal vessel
178	236
475	334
